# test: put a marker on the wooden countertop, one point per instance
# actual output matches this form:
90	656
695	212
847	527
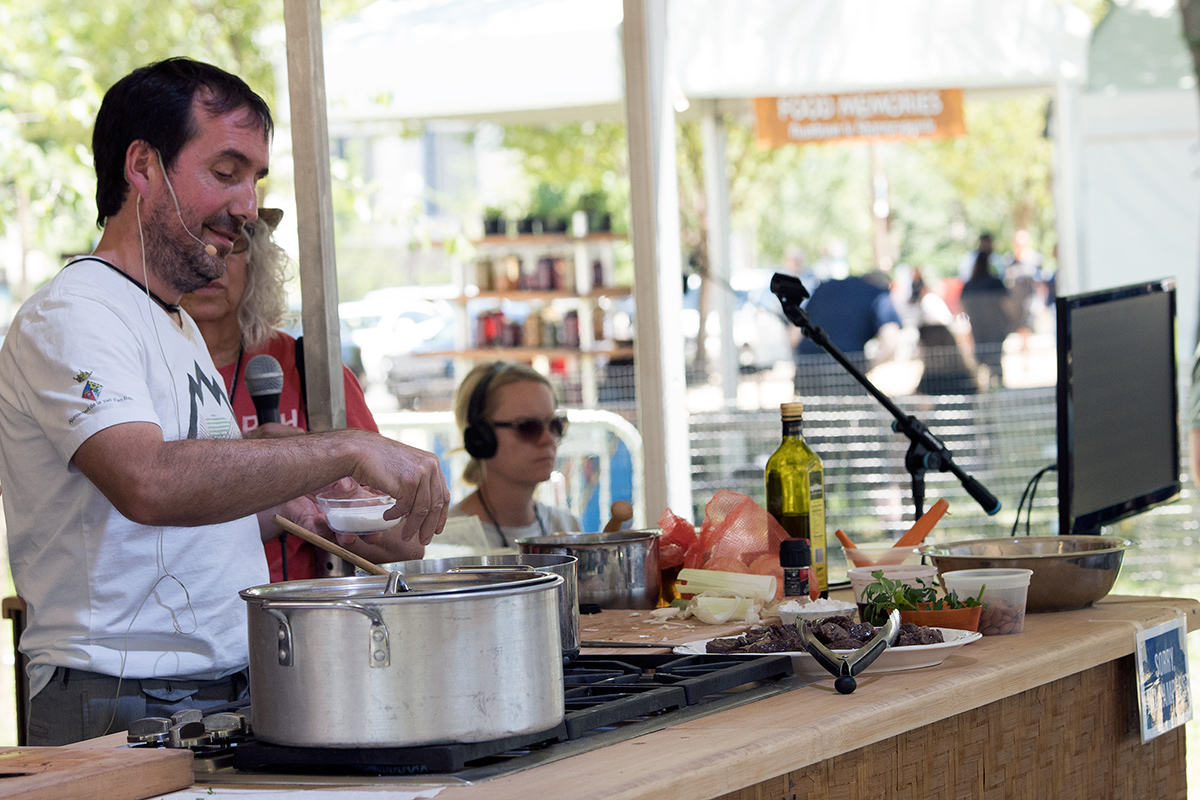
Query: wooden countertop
724	752
732	749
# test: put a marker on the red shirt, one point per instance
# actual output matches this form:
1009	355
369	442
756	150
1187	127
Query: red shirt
301	556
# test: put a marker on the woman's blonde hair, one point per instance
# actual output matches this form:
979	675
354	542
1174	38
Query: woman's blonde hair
264	300
498	374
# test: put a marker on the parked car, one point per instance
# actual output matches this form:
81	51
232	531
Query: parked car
760	331
394	328
351	353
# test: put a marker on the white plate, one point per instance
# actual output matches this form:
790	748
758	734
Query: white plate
893	659
805	613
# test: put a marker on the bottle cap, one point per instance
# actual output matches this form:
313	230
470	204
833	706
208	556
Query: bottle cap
795	553
791	410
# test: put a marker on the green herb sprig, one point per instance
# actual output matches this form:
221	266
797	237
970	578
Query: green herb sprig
882	595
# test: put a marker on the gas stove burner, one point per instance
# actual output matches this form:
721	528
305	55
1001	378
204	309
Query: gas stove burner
597	670
424	760
606	699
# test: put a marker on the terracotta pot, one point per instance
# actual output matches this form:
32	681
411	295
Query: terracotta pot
966	619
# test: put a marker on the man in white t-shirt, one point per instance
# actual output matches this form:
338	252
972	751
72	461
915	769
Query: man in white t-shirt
129	496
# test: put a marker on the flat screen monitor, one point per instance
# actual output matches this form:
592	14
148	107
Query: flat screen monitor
1118	411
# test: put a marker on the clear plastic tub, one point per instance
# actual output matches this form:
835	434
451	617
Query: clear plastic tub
1004	593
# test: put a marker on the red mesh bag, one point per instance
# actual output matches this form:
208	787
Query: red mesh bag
678	537
737	534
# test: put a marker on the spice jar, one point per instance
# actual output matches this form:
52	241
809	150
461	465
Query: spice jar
795	556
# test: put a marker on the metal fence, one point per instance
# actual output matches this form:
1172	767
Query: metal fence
1002	438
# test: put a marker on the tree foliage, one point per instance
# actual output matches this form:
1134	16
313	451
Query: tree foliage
58	57
942	193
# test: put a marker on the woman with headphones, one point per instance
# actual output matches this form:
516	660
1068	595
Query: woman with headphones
511	429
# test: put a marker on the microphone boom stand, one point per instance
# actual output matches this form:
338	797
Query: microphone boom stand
925	451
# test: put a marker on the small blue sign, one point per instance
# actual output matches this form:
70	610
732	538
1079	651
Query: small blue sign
1164	696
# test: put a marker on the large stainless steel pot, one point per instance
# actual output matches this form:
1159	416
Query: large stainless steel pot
616	569
462	657
563	566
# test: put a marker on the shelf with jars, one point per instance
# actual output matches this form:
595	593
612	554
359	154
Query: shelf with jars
537	297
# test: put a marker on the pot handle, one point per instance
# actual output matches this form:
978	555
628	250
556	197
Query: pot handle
492	569
379	649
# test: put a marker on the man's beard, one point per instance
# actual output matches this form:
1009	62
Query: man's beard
176	258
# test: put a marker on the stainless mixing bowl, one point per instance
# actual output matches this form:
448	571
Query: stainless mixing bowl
1068	571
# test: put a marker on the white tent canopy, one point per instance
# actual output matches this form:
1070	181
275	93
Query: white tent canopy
543	59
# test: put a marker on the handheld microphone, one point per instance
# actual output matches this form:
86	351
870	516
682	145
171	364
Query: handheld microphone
264	382
208	248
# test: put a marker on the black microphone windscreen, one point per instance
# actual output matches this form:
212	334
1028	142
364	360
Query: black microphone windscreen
788	287
264	376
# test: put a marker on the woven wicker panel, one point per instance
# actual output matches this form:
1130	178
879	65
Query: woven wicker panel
1074	738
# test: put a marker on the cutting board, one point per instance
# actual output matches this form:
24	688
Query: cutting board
637	626
61	773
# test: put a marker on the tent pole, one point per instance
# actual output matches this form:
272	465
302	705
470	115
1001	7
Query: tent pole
1067	151
314	216
716	191
658	273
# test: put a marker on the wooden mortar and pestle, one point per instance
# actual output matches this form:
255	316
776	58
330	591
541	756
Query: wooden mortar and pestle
622	512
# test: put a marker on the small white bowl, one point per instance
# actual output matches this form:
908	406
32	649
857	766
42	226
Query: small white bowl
879	554
358	515
792	611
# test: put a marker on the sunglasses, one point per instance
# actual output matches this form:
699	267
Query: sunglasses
531	429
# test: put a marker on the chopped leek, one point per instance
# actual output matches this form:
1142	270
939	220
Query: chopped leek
695	581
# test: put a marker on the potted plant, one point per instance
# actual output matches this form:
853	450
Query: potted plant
919	604
595	206
494	221
548	206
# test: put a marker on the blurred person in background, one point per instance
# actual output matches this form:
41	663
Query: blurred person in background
987	304
511	428
1192	418
854	312
986	246
1026	284
238	315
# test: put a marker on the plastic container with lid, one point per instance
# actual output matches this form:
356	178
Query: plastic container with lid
1004	592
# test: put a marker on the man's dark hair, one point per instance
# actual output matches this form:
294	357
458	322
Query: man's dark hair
154	103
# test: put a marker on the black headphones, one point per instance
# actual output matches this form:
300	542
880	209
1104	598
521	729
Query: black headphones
479	437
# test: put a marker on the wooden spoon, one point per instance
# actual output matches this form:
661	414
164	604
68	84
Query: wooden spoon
329	547
622	512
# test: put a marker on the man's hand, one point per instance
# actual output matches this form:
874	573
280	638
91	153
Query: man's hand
414	478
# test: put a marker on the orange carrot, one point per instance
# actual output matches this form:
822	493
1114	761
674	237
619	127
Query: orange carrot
845	540
917	533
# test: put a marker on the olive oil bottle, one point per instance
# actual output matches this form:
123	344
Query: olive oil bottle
796	490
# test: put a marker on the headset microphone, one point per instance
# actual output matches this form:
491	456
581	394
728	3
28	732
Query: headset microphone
208	248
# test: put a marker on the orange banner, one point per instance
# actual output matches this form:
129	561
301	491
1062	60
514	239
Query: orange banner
862	116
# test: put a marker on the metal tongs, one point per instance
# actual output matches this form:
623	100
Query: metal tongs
844	668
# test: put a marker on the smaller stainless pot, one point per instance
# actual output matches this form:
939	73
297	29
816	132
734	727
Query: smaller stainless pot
615	570
563	565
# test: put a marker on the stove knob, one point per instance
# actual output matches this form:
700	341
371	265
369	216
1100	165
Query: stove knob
226	725
187	715
149	730
187	734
